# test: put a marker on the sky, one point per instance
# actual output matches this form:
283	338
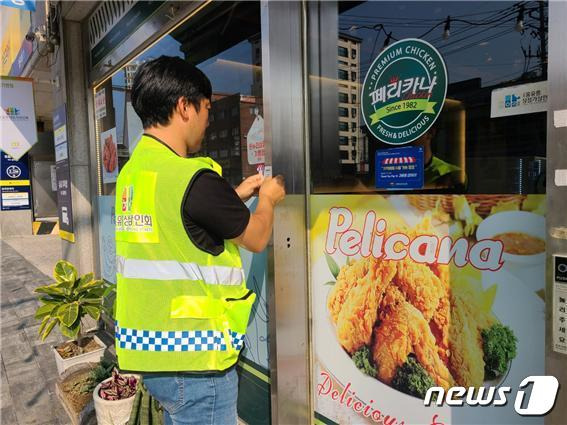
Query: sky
492	52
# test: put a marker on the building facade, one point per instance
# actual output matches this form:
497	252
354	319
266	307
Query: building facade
287	80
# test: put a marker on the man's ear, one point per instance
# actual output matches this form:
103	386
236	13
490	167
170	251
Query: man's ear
182	107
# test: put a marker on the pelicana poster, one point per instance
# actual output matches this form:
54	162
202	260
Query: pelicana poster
420	291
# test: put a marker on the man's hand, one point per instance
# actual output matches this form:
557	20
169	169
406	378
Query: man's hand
257	234
246	189
273	189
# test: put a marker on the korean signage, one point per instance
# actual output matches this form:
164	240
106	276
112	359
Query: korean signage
255	142
15	183
126	26
518	100
100	104
17	116
560	303
399	168
404	91
413	292
63	174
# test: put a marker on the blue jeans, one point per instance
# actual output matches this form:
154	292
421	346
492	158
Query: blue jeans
190	399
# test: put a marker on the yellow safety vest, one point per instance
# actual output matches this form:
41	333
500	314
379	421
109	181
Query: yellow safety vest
178	308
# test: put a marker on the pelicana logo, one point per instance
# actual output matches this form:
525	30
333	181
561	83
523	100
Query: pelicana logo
404	91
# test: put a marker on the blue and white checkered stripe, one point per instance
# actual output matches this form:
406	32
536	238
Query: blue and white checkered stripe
204	340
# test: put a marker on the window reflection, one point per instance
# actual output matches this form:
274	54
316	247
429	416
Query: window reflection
484	52
223	40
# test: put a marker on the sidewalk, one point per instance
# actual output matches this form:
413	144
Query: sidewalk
28	366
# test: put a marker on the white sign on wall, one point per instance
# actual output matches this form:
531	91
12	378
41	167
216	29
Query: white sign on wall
255	142
53	169
100	104
518	100
18	128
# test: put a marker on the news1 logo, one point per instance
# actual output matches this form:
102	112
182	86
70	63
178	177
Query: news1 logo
540	401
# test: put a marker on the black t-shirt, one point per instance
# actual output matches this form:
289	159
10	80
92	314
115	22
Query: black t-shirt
212	211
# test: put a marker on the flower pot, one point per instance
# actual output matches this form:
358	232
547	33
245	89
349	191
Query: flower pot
112	412
90	357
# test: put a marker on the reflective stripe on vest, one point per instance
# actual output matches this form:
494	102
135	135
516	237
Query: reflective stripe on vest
173	270
207	340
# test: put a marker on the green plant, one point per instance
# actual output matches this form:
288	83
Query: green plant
68	300
499	345
411	378
103	370
363	360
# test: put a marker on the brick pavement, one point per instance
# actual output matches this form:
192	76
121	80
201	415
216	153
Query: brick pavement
28	373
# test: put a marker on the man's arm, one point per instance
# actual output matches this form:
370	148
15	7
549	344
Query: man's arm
257	234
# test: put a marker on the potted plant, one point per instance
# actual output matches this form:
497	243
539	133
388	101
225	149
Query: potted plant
114	398
76	386
65	303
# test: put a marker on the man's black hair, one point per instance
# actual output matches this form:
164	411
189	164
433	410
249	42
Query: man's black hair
158	85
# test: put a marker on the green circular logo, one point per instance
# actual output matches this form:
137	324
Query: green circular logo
404	91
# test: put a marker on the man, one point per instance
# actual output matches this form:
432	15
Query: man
437	173
182	303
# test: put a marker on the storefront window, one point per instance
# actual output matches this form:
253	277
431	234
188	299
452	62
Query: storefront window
224	42
491	129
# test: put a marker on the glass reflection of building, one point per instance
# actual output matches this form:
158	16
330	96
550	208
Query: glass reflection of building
353	144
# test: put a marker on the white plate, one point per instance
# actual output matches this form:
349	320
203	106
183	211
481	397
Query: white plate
515	306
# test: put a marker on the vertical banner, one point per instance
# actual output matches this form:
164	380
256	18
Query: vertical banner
106	239
254	367
15	183
17	116
109	149
421	291
63	174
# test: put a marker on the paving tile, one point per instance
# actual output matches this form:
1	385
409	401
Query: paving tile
17	353
26	308
34	338
33	402
28	369
11	321
48	367
23	373
8	416
5	396
11	338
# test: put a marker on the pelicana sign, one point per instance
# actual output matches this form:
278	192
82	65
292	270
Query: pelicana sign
404	91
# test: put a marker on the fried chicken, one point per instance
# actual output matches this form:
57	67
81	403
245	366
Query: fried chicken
349	277
360	308
440	328
402	307
420	285
403	331
466	360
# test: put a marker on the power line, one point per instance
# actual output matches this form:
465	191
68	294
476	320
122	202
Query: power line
468	46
